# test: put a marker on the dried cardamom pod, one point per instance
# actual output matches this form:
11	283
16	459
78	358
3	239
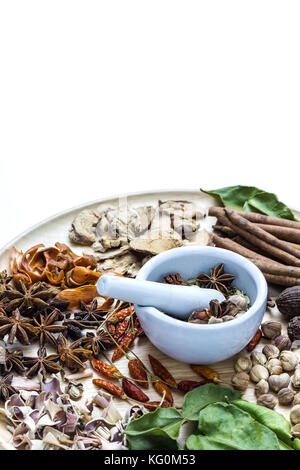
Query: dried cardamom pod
271	329
277	382
243	364
289	360
295	430
296	378
268	400
274	366
271	351
240	381
258	372
286	396
258	358
295	414
297	399
283	343
261	388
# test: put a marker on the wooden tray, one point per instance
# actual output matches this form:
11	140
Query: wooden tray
56	228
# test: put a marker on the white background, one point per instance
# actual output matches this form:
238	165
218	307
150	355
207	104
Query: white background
106	97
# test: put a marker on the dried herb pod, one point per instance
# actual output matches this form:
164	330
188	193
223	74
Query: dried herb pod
240	381
288	302
271	329
285	396
74	390
289	360
296	378
271	351
258	372
268	400
295	414
243	364
293	329
258	358
274	367
277	382
295	430
261	388
283	343
297	399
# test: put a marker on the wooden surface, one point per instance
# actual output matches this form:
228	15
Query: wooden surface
56	229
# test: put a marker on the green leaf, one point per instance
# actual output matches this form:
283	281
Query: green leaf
273	420
227	426
200	397
250	198
155	430
199	442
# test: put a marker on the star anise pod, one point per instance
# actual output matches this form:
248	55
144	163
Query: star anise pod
33	298
175	279
12	360
89	313
15	327
6	388
72	355
4	281
45	327
97	342
217	279
42	363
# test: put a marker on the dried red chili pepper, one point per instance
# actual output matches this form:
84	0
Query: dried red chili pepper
255	340
206	372
105	369
138	372
121	329
164	390
188	385
110	387
121	314
133	391
125	343
152	405
161	371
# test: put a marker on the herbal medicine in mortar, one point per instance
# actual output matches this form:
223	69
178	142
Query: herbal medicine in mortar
235	305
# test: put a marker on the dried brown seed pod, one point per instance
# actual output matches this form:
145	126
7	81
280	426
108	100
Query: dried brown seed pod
296	378
293	329
274	367
261	388
295	430
271	329
286	396
271	351
277	382
297	399
267	400
258	372
258	358
240	381
283	343
289	360
243	364
288	302
295	414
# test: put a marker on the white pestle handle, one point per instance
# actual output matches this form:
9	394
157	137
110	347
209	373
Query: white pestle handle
176	300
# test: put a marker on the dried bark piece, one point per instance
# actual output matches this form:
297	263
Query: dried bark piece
154	246
82	228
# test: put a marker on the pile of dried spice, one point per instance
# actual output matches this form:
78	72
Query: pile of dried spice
235	305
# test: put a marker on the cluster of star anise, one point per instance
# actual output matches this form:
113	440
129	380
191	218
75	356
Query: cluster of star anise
31	314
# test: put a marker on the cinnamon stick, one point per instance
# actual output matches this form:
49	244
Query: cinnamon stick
264	240
282	280
284	233
268	219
